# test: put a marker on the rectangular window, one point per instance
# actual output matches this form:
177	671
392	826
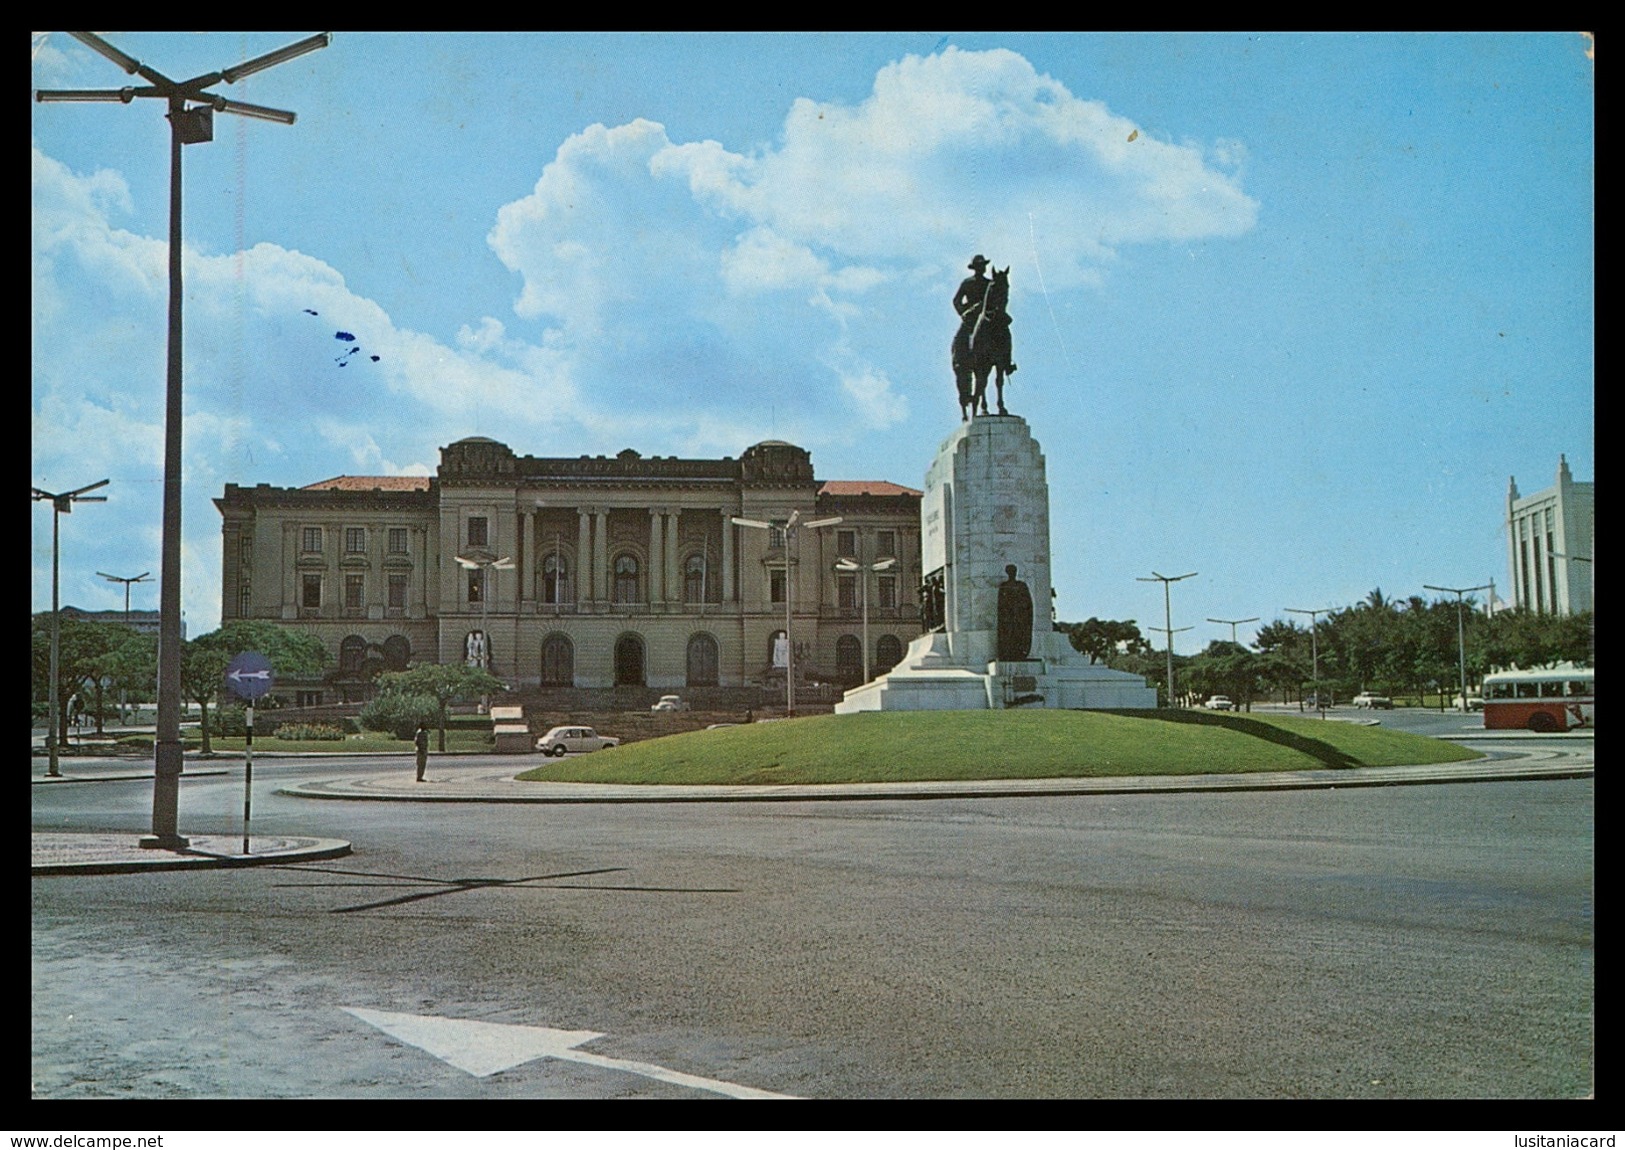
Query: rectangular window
1578	687
886	591
775	586
397	541
846	543
885	543
478	533
775	533
397	591
313	540
846	592
355	540
310	590
245	602
355	591
476	585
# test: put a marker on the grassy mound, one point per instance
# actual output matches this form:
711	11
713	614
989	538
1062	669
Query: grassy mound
948	745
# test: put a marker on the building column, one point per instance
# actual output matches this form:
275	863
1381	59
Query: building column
674	573
583	564
600	555
727	556
657	556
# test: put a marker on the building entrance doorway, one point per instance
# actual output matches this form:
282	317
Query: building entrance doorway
629	661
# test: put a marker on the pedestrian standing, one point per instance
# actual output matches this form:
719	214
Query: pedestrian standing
421	739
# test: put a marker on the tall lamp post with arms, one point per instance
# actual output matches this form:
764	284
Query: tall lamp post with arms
1461	633
1314	614
60	505
864	569
1168	619
191	121
791	531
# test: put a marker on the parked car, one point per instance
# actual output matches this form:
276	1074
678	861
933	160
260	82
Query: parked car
1475	702
670	703
561	740
1220	703
1316	702
1375	702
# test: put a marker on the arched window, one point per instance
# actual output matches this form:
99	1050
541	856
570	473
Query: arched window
626	579
888	653
558	662
694	579
702	661
476	651
849	659
397	652
629	661
351	652
555	579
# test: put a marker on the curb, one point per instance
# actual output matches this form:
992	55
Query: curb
56	853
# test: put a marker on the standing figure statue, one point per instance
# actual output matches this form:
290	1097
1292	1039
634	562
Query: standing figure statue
982	345
1014	638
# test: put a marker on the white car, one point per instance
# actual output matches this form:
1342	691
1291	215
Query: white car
670	703
562	740
1220	703
1374	702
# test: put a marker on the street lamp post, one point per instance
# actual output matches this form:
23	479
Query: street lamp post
144	577
1461	632
187	125
1168	618
484	566
1233	624
791	533
879	565
1314	650
60	505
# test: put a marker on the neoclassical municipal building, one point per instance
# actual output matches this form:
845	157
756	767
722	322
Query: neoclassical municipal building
591	572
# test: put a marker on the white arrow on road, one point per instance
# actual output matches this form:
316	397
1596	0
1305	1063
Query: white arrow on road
484	1048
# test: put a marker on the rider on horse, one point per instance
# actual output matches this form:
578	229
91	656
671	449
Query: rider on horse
983	341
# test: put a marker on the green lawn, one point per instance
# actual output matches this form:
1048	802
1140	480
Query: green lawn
947	745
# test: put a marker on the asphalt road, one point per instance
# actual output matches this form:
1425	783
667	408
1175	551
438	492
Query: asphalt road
1406	942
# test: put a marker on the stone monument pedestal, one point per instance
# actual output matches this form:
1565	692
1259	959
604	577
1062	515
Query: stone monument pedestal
985	509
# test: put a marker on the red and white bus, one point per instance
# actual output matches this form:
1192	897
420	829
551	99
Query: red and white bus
1546	701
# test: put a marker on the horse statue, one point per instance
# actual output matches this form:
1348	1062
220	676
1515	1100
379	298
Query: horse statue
982	348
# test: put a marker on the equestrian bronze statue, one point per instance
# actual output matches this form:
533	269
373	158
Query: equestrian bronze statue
981	347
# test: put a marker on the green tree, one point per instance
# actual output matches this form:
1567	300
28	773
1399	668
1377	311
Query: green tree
204	660
445	683
85	652
1105	639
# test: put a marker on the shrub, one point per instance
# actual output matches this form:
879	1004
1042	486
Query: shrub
400	714
314	731
232	723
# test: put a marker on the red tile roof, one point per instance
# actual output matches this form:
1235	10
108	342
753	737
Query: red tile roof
865	487
371	483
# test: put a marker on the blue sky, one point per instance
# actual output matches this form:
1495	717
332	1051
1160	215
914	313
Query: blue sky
1289	309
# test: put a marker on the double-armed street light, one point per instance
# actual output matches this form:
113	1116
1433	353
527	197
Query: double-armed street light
854	565
1461	633
144	577
60	505
791	531
1314	650
191	121
1168	619
1233	624
484	567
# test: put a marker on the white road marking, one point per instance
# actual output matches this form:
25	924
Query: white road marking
485	1048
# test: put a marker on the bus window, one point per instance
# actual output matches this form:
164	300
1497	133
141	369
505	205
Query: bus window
1551	689
1500	690
1528	690
1579	687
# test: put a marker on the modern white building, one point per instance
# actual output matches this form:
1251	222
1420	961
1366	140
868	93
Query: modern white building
1549	545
